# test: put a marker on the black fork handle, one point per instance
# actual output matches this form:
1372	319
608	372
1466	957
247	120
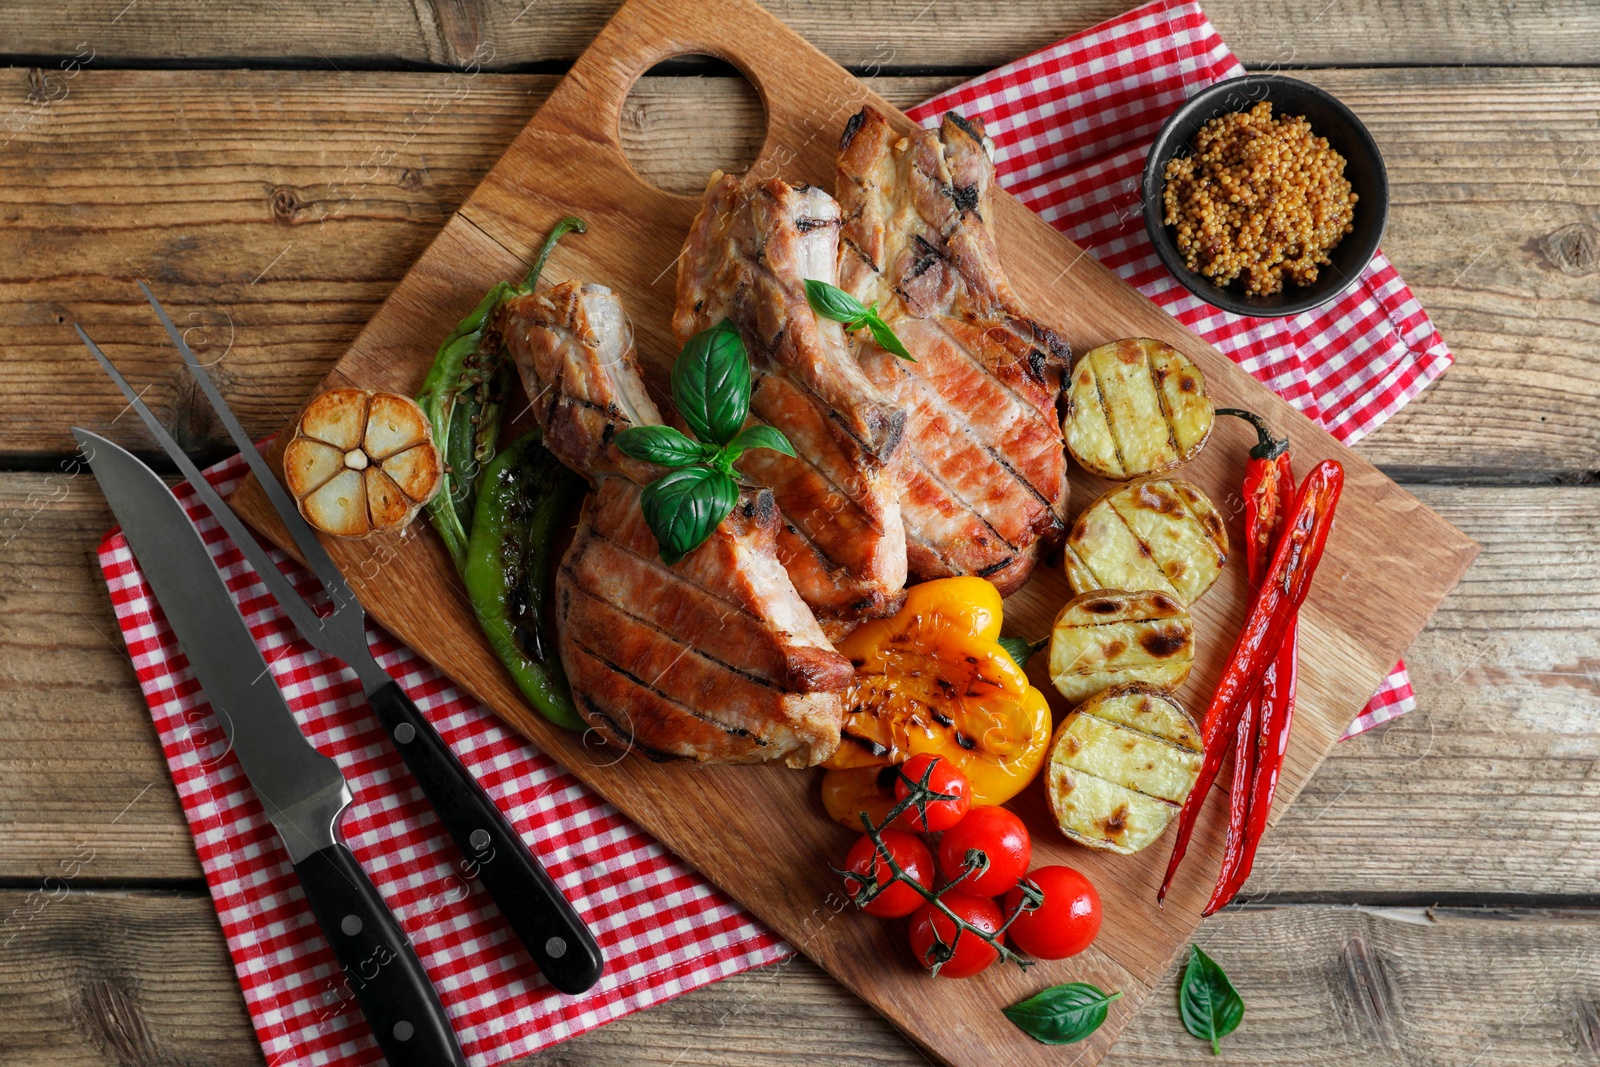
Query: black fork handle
543	919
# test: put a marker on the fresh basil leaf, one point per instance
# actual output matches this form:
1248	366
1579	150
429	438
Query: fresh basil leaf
832	302
1062	1014
711	383
886	338
759	436
684	507
664	445
1020	649
1211	1008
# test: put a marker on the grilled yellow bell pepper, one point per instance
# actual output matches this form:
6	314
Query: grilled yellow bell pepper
933	678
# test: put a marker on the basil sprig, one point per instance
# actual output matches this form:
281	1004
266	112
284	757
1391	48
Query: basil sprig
711	388
1062	1014
832	302
1210	1006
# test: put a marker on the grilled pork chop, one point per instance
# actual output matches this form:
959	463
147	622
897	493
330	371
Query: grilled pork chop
985	473
746	259
715	658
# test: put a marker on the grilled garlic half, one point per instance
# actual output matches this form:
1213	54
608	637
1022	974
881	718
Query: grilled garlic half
361	461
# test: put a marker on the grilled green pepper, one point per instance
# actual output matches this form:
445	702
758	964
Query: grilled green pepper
522	498
464	398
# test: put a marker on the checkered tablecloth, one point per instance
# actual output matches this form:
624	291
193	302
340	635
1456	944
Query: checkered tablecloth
664	929
1070	124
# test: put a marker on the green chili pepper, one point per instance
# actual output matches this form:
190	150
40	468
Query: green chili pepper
523	496
464	398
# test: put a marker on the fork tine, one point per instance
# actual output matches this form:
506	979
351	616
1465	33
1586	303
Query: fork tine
305	539
299	612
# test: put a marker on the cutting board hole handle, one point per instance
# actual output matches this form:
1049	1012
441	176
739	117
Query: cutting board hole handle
687	115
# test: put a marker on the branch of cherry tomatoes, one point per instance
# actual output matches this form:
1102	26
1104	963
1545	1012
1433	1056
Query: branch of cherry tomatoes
959	929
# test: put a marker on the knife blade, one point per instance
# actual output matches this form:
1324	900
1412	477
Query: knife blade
302	790
544	920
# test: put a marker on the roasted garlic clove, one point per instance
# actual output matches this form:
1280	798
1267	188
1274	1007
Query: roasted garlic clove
361	461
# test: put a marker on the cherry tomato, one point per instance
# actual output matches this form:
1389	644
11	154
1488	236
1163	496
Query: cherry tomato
1065	924
971	953
996	833
945	778
897	898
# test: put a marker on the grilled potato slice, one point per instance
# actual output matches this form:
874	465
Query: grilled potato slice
1110	637
1121	766
1157	534
1136	407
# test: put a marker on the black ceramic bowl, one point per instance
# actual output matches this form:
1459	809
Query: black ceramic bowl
1328	118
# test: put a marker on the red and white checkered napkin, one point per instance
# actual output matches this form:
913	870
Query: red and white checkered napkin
1071	125
664	929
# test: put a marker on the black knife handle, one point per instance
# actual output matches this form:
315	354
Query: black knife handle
380	967
543	919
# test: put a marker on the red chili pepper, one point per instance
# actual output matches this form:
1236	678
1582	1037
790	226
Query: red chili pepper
1244	765
1265	630
1271	741
1268	492
1263	732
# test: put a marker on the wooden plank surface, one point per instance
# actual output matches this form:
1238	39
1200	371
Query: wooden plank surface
139	979
508	34
200	179
275	245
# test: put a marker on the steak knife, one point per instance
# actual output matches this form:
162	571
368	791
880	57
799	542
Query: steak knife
301	789
534	906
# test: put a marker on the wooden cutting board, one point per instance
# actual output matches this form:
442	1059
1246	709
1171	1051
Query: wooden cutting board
759	832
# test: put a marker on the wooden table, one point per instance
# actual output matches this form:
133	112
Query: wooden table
1429	901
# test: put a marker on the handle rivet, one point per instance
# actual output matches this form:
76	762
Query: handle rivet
479	839
405	733
351	925
555	948
403	1030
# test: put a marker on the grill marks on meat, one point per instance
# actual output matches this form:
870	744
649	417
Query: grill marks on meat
573	346
691	660
985	477
714	659
746	259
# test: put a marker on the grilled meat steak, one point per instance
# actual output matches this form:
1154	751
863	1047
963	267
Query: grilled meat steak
985	473
746	259
715	658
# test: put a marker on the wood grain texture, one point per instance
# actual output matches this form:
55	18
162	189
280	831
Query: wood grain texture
1502	673
503	34
769	846
200	180
275	245
140	979
117	979
1503	746
79	761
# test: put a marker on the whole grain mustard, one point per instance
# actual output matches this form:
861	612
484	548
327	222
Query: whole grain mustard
1260	198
